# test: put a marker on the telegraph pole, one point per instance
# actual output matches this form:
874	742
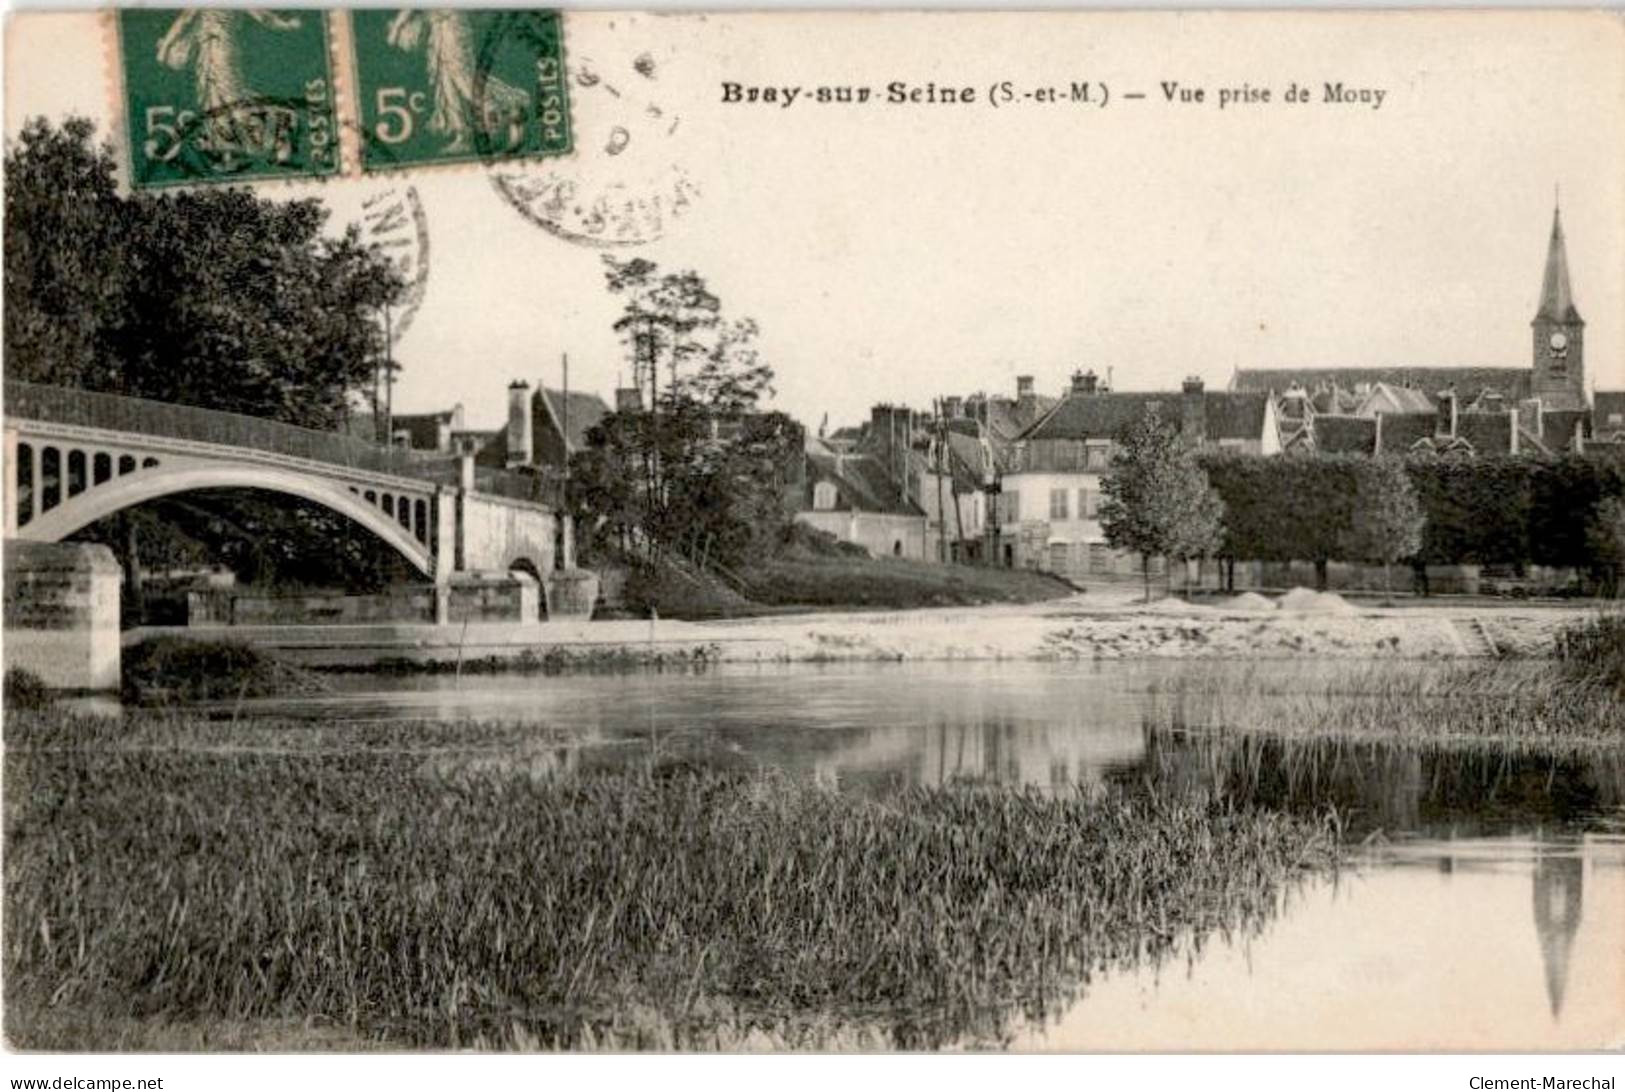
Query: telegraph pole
389	380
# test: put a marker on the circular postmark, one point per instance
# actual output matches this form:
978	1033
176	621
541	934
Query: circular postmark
392	219
622	186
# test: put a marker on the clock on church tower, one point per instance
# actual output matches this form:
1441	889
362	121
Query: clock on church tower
1559	357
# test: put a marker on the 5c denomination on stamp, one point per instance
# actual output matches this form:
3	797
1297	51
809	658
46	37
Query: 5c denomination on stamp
458	85
224	95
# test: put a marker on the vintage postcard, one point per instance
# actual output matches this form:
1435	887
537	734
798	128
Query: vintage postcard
825	531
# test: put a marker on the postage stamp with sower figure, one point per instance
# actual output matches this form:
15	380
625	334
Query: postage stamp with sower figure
455	85
216	94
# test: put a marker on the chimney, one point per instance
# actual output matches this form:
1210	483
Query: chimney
1451	405
1024	386
521	446
628	399
1085	382
1530	416
1376	439
1193	411
953	407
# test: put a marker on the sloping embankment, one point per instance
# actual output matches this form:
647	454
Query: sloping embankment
1064	631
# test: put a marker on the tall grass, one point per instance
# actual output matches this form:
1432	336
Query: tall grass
1418	786
678	908
1518	703
1592	652
163	669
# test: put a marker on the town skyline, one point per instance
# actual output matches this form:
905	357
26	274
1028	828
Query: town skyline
945	250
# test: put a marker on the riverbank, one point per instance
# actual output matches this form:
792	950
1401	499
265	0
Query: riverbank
1097	625
666	907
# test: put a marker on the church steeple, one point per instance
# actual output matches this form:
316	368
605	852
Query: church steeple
1556	297
1559	332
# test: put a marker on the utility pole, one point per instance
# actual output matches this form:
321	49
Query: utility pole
565	547
654	430
389	379
942	515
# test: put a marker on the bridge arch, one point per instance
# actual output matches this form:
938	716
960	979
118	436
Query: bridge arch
167	479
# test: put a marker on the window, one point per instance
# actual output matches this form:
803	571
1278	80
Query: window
1057	557
1012	507
1099	456
1057	504
1616	418
1088	503
824	496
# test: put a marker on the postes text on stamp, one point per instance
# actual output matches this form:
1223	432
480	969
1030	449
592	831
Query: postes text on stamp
227	95
457	85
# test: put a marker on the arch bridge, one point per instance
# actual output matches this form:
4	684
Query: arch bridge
73	457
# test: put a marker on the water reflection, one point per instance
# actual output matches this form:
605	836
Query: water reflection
1559	898
1485	910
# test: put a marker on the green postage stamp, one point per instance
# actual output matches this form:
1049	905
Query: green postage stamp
457	85
221	94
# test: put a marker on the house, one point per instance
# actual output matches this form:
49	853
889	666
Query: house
956	474
418	431
1049	498
544	429
868	495
1542	409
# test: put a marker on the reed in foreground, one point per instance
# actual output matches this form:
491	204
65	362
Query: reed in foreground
369	896
1519	703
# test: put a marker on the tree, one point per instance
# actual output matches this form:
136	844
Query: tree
1388	518
214	298
702	471
1606	536
65	243
1156	500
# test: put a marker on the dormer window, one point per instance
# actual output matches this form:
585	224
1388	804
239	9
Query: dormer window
824	495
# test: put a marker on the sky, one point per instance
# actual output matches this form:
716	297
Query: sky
900	252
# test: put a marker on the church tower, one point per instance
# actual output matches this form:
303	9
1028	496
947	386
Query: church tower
1559	379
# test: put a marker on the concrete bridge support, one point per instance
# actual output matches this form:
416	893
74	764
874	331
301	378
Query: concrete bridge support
62	613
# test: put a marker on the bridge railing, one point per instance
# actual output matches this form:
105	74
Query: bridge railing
512	484
147	417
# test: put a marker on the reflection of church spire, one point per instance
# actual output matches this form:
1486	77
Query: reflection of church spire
1559	885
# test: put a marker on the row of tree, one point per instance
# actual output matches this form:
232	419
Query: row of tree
1511	510
1163	500
214	297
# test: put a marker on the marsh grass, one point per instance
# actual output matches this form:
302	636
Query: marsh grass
153	884
1592	651
628	658
1515	703
1381	787
163	670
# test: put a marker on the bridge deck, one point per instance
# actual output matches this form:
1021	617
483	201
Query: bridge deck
147	417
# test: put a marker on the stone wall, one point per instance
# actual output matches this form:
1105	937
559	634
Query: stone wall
469	597
62	613
497	533
412	603
883	534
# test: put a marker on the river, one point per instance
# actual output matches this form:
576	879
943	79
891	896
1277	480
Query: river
1483	908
